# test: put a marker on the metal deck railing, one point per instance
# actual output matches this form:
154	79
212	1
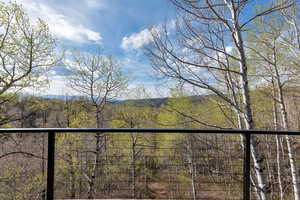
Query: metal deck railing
53	131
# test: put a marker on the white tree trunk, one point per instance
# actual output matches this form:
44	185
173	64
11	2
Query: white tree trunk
278	149
246	104
295	176
259	171
249	124
190	158
279	168
97	166
133	165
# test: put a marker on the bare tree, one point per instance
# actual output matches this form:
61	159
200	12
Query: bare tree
99	77
276	68
207	51
292	18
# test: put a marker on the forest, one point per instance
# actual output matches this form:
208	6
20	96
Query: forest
234	65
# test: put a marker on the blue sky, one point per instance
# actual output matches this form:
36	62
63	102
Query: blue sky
121	27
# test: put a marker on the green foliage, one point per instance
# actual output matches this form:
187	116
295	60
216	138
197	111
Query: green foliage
134	116
27	49
69	165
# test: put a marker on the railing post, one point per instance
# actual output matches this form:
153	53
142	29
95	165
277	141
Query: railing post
50	169
247	162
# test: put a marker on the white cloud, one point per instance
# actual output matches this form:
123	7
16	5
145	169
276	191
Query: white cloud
150	90
69	64
144	37
60	25
137	40
229	49
57	86
171	25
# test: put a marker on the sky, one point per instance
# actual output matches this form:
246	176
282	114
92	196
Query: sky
121	27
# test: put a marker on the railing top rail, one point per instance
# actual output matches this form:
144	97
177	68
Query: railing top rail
143	130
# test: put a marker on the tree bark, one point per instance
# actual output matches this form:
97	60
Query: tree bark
96	168
190	157
275	122
285	123
246	104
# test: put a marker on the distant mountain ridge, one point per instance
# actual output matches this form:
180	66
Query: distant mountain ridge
64	97
156	102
